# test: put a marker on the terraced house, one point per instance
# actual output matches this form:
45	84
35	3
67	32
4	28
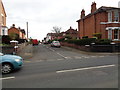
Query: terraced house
3	28
104	20
19	31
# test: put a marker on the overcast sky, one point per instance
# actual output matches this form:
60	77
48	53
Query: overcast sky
42	15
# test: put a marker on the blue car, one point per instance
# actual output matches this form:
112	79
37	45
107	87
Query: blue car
10	63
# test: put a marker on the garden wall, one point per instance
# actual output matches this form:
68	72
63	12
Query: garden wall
94	48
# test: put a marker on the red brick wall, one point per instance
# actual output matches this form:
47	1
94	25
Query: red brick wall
91	25
13	30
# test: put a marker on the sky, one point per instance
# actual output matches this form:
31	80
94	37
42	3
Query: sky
43	15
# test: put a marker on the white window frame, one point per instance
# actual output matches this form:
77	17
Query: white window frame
110	16
116	15
110	34
3	31
116	34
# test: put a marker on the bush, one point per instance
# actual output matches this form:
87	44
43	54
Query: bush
85	41
62	39
84	37
6	39
97	35
22	41
103	42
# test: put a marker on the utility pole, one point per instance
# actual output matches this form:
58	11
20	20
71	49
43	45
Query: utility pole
27	30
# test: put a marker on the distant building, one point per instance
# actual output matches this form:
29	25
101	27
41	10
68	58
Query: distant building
104	20
70	32
73	33
19	31
3	28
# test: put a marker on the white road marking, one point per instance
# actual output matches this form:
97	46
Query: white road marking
88	68
86	57
7	78
101	56
60	59
78	57
61	55
52	49
93	56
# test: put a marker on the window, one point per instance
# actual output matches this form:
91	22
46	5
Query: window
3	32
110	34
116	34
116	16
3	20
109	16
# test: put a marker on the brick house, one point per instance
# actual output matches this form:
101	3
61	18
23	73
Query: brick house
72	33
104	20
3	28
19	31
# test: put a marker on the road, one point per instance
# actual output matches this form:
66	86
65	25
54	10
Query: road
64	68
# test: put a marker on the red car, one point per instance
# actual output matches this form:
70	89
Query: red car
35	42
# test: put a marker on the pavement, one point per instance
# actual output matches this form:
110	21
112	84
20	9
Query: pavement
26	52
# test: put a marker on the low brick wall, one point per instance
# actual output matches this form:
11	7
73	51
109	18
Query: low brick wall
94	48
83	48
7	49
11	49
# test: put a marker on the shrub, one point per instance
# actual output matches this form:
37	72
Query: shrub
22	41
62	39
6	39
102	41
84	37
85	41
98	35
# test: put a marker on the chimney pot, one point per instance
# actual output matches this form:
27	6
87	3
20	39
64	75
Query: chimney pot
93	7
82	13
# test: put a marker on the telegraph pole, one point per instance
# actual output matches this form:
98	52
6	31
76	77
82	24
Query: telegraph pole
27	30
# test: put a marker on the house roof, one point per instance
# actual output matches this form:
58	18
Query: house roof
23	31
99	10
3	8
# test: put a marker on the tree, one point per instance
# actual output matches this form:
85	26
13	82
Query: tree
56	29
14	36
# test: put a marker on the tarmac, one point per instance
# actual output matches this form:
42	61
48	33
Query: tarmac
27	52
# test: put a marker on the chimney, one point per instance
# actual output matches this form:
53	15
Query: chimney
93	7
13	25
82	13
70	27
19	28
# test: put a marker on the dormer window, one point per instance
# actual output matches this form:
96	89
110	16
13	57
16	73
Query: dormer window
109	16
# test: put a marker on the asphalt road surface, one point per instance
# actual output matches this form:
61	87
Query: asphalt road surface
52	67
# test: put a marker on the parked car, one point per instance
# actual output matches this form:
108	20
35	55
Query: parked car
35	42
10	62
55	44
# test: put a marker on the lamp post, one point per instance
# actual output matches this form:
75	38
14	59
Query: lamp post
27	29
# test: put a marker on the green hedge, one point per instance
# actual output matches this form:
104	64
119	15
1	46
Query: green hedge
102	41
88	41
85	41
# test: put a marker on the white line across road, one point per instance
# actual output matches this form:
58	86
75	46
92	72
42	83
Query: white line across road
7	78
62	55
88	68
